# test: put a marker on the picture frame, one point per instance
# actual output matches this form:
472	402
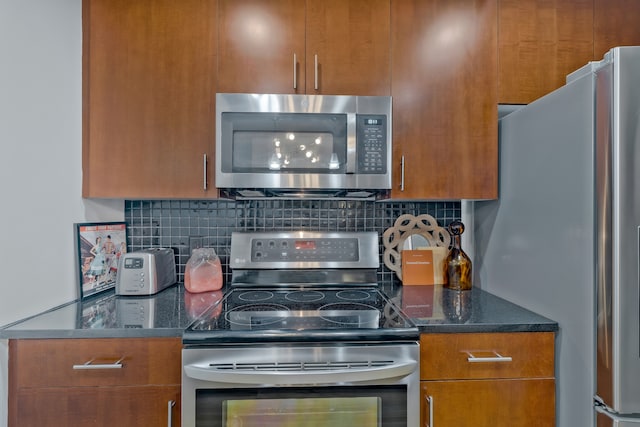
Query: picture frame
99	247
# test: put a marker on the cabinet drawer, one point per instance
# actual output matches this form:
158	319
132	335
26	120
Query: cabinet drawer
487	355
97	406
94	362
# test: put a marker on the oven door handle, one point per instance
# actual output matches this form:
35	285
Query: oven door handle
300	376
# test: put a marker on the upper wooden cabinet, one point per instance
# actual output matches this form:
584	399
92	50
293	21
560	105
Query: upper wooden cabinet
615	23
540	42
444	88
333	47
148	93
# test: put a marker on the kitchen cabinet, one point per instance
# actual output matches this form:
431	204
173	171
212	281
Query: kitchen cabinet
148	98
444	88
540	42
338	47
487	379
80	382
615	24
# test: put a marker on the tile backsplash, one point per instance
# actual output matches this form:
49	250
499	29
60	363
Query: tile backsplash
185	224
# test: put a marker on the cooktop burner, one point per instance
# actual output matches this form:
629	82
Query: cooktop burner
299	314
302	286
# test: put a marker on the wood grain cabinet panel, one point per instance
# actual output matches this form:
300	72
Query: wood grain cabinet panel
444	88
99	406
540	42
337	47
489	403
148	98
615	24
129	382
261	45
488	379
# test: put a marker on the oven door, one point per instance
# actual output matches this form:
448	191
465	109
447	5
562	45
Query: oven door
323	386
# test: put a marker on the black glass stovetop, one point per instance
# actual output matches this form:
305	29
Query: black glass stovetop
301	314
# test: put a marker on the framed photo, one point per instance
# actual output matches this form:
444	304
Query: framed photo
99	247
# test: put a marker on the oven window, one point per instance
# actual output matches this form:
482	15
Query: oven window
373	406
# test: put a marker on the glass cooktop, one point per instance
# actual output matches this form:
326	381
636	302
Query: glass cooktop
298	314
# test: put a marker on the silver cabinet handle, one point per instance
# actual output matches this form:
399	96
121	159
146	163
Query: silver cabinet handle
89	365
429	401
170	406
295	71
402	174
315	64
497	358
204	171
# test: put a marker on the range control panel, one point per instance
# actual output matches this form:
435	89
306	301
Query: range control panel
304	249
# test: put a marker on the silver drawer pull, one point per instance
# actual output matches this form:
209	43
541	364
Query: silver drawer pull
89	365
170	406
497	358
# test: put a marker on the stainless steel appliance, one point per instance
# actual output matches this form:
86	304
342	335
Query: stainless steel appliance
303	145
303	335
146	272
564	237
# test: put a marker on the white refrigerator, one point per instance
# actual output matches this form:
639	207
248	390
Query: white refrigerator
563	238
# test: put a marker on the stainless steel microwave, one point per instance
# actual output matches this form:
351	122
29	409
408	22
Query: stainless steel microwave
303	145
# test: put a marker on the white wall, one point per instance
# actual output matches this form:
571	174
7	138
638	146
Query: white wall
40	158
40	155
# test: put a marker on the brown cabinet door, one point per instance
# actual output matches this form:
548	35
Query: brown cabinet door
615	24
487	355
488	403
444	88
333	47
40	363
540	42
261	46
348	47
98	406
148	93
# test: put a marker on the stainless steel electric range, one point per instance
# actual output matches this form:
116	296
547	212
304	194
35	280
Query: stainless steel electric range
302	333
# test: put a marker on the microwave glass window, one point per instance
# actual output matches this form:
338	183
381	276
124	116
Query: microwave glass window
326	412
284	143
284	151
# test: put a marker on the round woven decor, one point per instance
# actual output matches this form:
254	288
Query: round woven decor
406	226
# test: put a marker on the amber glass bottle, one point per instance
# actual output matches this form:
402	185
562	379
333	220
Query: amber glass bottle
458	264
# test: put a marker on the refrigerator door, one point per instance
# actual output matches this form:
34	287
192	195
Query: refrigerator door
618	229
535	245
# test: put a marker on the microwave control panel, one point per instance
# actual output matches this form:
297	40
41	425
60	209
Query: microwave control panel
371	137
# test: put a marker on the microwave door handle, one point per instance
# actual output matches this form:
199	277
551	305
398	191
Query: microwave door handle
351	143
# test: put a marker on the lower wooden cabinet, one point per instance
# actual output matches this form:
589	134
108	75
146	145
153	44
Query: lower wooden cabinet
487	380
98	406
94	382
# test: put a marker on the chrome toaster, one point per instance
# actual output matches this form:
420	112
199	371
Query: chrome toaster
146	272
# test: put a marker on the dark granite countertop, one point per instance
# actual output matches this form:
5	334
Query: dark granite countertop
436	309
431	308
107	315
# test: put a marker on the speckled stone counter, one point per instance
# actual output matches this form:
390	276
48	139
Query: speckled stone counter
435	309
431	308
165	314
